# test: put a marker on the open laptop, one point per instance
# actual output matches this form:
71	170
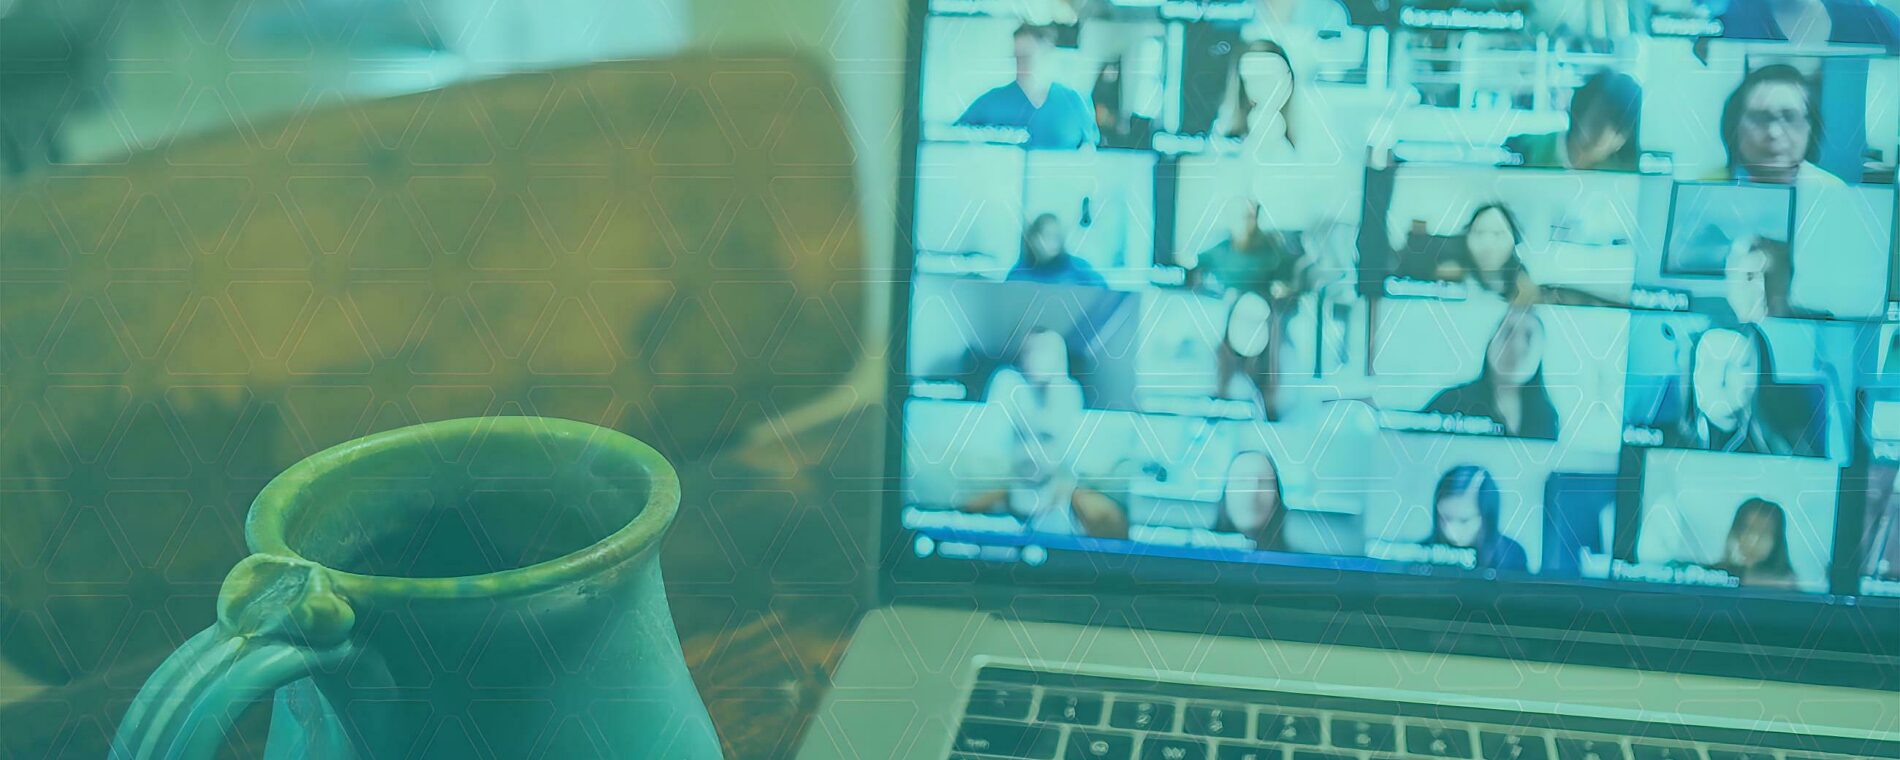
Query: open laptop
1552	429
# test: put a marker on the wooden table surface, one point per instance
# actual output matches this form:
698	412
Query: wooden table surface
765	572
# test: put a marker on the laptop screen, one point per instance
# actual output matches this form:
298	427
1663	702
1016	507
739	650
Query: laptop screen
1467	290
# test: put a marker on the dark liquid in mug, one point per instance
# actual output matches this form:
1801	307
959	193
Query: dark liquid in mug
461	532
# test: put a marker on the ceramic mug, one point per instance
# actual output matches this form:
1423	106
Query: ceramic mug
480	587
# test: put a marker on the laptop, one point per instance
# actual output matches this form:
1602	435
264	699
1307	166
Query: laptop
1195	460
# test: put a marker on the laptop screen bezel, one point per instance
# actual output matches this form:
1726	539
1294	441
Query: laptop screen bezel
1668	628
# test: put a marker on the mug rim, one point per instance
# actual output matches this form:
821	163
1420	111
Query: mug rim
265	527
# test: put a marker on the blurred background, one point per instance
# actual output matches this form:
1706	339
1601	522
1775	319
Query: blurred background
90	81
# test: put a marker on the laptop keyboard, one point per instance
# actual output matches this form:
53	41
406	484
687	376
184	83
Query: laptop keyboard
1046	716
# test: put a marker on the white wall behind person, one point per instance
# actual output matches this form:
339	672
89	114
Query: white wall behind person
1180	332
1842	240
970	201
1320	200
1690	500
1682	104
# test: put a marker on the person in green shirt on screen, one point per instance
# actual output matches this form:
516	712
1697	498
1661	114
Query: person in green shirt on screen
1606	114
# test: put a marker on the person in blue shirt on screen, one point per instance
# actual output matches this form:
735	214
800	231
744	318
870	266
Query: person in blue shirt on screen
1812	22
1465	516
1045	257
1055	115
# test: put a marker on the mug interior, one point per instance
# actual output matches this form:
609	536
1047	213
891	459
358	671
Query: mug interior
451	506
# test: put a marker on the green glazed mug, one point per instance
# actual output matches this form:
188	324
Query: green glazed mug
471	588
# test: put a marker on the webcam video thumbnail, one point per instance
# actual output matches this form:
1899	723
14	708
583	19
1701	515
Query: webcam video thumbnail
1008	468
1781	387
1491	506
1733	520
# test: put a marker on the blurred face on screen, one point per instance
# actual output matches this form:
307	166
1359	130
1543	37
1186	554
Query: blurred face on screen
1516	349
1774	128
1753	540
1045	241
1459	520
1252	488
1591	146
1247	325
1268	79
1031	53
1490	240
1045	357
1746	274
1726	376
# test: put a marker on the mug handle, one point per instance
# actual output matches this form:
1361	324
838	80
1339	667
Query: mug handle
280	620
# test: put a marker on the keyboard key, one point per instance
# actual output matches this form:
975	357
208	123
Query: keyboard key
1007	739
1010	702
1503	746
1438	741
1741	754
1142	714
1359	734
1232	751
1284	728
1165	748
1071	707
1313	754
1099	745
1589	749
1663	752
1208	719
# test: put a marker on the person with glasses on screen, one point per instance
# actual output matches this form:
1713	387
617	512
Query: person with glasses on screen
1771	129
1043	404
1606	113
1054	115
1756	552
1510	389
1729	370
1045	257
1252	502
1465	508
